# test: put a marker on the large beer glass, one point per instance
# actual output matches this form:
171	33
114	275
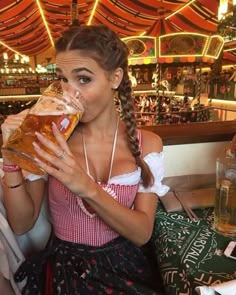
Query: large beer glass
55	105
225	203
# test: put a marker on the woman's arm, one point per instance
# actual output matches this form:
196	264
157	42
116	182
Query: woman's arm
22	203
22	199
134	224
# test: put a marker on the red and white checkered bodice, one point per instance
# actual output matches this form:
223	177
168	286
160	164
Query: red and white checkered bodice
73	222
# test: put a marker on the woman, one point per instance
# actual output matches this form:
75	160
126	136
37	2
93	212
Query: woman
102	183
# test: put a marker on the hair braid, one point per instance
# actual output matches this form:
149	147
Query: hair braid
131	127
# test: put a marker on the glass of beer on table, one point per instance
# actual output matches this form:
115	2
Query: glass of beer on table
225	202
63	107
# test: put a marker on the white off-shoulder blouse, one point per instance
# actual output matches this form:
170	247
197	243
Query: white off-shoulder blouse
155	162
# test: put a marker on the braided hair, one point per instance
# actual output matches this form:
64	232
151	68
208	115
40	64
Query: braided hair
105	47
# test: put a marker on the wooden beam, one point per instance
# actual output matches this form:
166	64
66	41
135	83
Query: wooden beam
194	132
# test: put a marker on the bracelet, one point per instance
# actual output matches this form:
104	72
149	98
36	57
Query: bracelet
12	186
10	168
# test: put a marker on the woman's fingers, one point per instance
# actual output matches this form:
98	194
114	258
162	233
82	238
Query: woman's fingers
56	153
60	139
14	120
58	164
56	159
51	147
11	123
48	160
58	145
61	172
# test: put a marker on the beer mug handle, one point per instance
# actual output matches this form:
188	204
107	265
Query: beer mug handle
224	196
224	190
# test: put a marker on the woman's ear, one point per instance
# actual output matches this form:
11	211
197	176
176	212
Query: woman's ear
116	78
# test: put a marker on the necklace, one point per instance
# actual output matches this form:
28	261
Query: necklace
112	153
86	208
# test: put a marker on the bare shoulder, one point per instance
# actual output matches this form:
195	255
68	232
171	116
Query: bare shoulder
151	142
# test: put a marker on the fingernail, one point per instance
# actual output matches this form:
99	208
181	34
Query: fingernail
38	134
54	125
37	160
35	145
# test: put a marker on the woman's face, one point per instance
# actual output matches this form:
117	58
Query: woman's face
81	73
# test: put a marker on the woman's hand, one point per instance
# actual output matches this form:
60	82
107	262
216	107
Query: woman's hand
11	123
61	162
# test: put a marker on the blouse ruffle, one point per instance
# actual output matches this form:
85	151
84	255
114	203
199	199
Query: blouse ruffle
155	162
33	177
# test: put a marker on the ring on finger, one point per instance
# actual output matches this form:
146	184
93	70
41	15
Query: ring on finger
62	155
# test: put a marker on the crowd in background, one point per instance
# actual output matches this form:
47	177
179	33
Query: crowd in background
179	79
25	82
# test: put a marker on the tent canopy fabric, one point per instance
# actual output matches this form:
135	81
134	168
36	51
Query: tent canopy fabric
22	27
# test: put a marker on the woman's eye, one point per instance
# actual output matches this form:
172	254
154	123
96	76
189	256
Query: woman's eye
84	80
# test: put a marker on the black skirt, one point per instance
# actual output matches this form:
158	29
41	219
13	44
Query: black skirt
66	268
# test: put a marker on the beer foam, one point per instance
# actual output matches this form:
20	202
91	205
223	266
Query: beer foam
50	105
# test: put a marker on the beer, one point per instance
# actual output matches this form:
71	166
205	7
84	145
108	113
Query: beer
225	210
53	106
225	202
19	147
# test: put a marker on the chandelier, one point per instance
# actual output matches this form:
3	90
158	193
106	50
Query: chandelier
19	64
227	19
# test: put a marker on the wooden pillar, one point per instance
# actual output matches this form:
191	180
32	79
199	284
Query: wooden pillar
157	81
74	14
198	94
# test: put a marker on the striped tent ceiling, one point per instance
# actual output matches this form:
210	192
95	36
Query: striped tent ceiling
22	27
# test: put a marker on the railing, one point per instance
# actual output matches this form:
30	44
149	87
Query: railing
194	132
16	103
8	98
29	90
182	116
194	116
223	114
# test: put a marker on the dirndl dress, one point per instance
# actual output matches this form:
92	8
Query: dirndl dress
74	263
67	268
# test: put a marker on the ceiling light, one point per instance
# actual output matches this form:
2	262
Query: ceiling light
8	47
93	11
180	9
45	22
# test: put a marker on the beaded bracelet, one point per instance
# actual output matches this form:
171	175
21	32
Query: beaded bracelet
10	168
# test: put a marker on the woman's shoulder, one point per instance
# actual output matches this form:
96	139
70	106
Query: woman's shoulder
150	142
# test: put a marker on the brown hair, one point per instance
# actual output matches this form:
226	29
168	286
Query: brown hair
105	47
